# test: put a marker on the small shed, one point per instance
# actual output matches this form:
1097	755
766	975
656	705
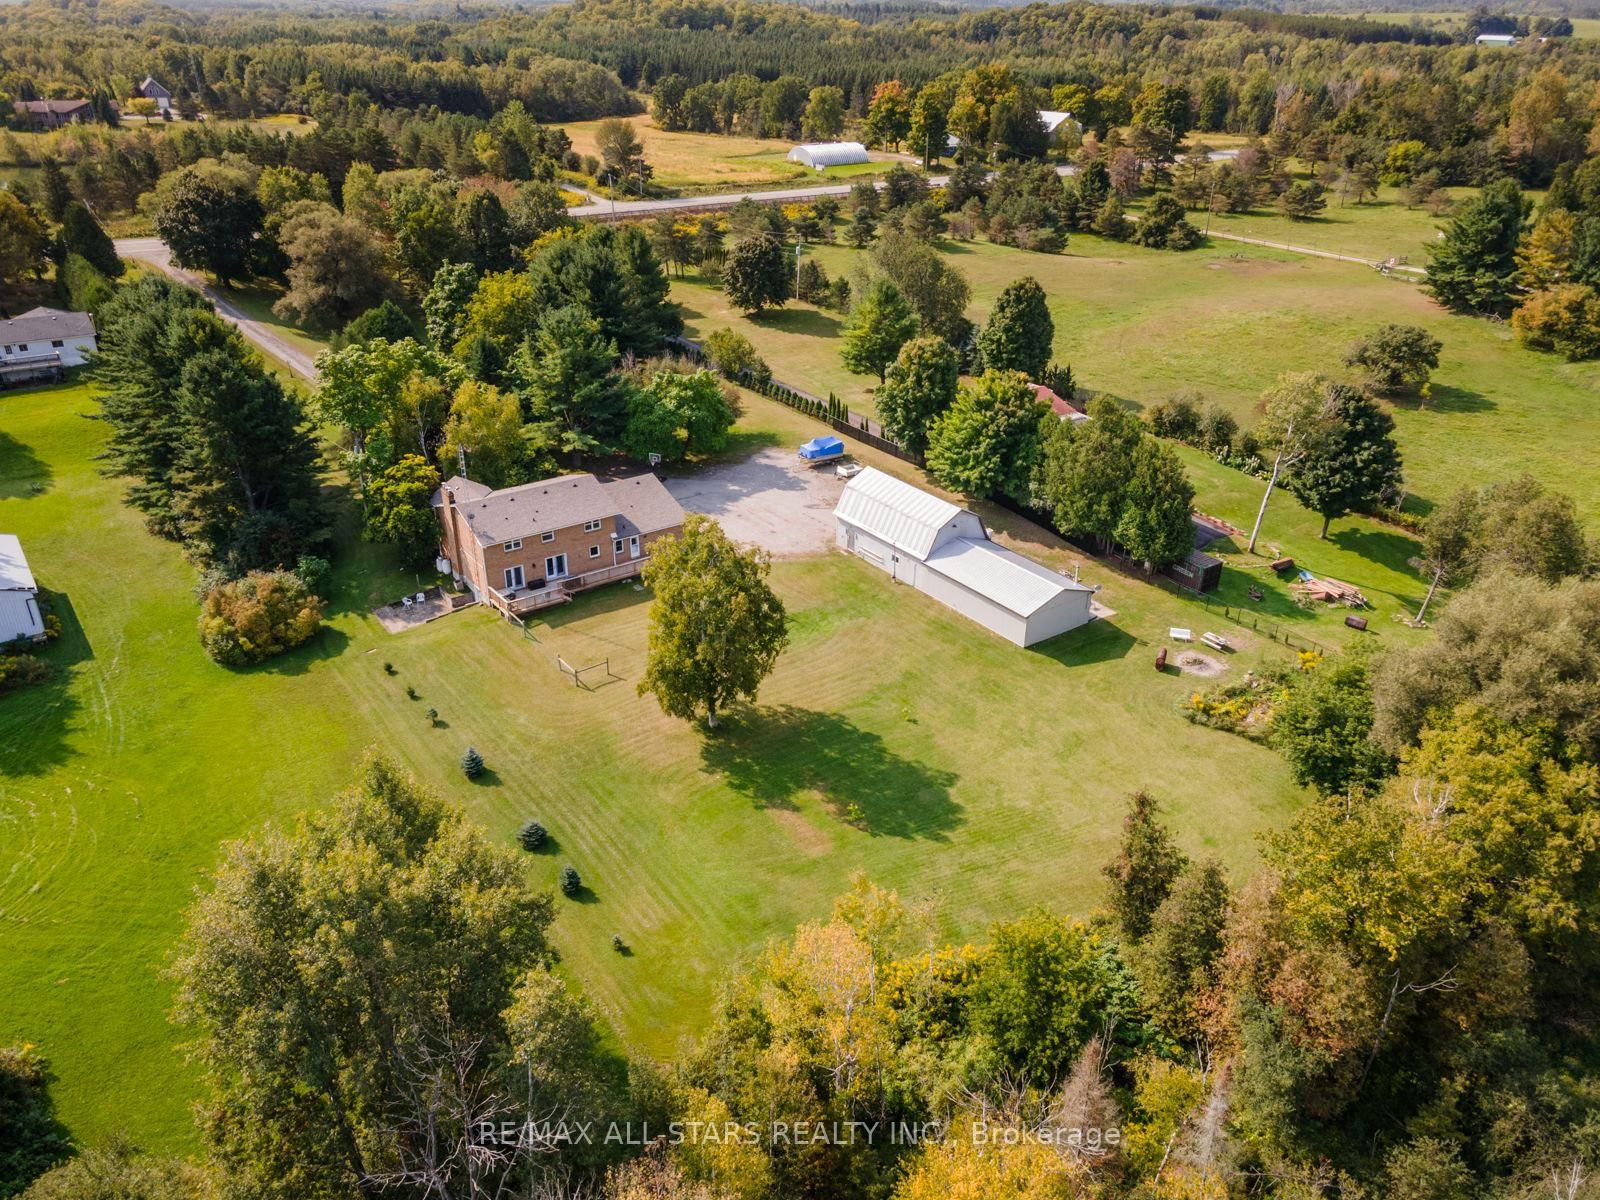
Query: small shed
1495	39
821	155
819	448
1200	571
19	594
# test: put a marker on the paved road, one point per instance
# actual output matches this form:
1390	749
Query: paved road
153	252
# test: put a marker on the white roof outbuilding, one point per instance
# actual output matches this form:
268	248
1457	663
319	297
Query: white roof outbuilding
818	155
19	594
943	549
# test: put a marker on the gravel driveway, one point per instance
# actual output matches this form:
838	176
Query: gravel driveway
768	499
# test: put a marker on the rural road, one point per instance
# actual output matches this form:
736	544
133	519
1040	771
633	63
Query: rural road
153	253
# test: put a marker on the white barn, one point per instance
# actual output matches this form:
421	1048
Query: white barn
818	155
943	550
19	594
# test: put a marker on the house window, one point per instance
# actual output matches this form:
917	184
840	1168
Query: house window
513	578
548	537
617	545
591	526
555	567
594	551
509	546
22	347
57	344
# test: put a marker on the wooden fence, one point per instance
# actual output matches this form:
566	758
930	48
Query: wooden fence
831	411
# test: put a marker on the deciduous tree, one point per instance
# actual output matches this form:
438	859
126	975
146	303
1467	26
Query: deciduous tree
881	322
716	626
919	388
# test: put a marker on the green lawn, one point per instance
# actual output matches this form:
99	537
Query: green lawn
1376	231
987	777
1227	320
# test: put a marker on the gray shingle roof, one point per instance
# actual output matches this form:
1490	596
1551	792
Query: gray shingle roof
60	107
643	505
43	324
640	503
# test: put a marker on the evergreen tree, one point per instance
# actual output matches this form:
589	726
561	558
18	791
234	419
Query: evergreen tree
1019	332
881	323
486	232
1474	268
565	370
471	763
147	332
863	228
1155	525
1164	226
1354	465
245	478
57	193
919	388
1177	961
755	274
1110	221
1085	469
1148	863
81	234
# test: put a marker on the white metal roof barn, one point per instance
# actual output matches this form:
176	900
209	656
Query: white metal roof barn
818	155
943	550
19	594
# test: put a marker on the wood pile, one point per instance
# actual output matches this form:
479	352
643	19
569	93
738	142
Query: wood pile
1330	591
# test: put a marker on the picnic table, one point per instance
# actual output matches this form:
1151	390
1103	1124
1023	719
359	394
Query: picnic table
1215	640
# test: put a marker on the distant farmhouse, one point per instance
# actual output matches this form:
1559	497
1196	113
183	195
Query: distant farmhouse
1056	126
52	114
820	155
524	548
151	90
944	550
19	594
42	343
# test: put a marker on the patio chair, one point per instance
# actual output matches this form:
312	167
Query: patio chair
422	597
406	600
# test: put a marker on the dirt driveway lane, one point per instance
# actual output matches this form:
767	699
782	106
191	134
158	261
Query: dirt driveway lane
768	500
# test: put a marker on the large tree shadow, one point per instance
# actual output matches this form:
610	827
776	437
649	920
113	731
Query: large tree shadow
35	721
810	321
1447	399
772	754
22	472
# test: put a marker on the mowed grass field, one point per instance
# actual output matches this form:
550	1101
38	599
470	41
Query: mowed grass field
985	777
1227	320
711	162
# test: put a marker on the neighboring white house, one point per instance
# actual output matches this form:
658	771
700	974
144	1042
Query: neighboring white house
19	595
151	90
1056	123
943	550
818	155
42	343
1495	39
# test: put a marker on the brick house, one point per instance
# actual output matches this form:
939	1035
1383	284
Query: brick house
528	547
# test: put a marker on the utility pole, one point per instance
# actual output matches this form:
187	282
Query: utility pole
799	248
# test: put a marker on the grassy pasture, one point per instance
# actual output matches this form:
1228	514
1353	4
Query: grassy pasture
709	162
1227	320
986	776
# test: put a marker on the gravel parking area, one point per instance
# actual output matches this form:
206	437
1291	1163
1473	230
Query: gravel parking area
768	499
